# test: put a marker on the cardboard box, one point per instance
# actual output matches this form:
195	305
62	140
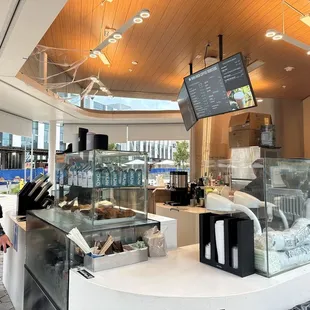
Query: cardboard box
249	120
244	138
218	151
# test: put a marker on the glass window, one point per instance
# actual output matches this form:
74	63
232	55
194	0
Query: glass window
105	103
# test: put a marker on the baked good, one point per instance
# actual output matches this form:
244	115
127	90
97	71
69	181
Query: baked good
85	207
104	204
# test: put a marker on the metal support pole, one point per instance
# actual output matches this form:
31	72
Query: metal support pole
220	36
43	67
52	151
31	167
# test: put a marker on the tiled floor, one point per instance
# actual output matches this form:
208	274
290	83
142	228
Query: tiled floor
5	302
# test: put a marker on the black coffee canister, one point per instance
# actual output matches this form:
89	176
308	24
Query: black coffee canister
82	139
101	142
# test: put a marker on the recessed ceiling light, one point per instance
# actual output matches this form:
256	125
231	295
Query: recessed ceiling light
134	62
145	14
112	40
130	70
270	33
283	86
117	36
103	89
138	20
277	37
259	99
92	55
289	69
308	53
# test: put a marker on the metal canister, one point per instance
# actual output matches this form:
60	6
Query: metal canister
268	135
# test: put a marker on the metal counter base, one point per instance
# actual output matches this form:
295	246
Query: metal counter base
35	298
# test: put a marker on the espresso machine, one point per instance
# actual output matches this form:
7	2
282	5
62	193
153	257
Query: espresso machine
178	188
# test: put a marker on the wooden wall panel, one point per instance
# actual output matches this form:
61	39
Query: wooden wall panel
175	34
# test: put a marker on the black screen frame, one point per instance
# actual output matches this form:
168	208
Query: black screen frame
247	75
190	101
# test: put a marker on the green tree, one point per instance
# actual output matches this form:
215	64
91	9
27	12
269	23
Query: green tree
181	155
112	147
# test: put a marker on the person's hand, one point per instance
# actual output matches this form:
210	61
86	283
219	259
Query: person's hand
5	242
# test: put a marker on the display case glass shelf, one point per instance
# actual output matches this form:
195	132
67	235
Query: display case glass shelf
103	187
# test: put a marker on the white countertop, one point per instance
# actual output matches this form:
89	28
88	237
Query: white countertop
189	209
179	282
181	268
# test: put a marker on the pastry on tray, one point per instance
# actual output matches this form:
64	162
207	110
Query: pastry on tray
126	213
104	204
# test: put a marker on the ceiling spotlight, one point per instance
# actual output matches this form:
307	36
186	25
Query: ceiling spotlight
92	55
130	70
289	69
283	86
117	36
134	62
138	20
259	99
308	53
270	33
96	52
104	89
277	37
145	14
112	40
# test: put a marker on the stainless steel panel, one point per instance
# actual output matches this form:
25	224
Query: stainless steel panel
34	297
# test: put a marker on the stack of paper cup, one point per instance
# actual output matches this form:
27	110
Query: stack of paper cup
208	251
220	242
234	256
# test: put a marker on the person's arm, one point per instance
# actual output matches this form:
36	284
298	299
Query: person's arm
4	240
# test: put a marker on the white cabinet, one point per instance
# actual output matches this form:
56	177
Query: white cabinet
187	222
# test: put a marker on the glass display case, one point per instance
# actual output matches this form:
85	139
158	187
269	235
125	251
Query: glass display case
50	254
285	241
101	193
102	187
278	195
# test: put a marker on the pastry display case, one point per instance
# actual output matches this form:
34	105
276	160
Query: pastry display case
102	194
102	187
50	254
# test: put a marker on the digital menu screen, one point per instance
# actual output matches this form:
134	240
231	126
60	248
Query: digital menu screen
221	88
186	109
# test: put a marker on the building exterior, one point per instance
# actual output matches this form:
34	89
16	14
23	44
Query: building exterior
15	150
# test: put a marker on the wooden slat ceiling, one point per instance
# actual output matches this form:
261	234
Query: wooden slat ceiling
176	33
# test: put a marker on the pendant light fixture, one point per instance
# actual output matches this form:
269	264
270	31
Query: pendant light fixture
277	35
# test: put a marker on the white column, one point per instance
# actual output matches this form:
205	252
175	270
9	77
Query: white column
52	151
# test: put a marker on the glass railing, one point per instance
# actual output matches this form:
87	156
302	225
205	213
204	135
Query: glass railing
105	103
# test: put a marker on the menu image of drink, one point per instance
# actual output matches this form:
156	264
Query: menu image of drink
233	72
186	109
207	92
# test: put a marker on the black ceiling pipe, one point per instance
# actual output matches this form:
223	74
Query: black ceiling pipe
220	36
